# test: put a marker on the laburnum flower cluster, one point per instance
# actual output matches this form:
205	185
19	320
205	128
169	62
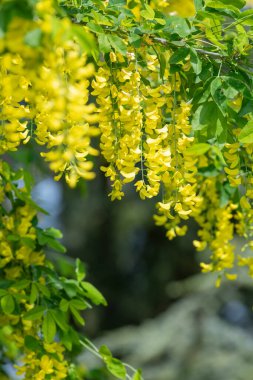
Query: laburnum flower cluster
44	93
147	138
145	133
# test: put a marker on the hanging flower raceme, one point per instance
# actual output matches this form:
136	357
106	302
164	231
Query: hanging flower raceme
15	85
138	141
232	156
180	198
216	230
64	119
133	132
156	151
119	98
44	94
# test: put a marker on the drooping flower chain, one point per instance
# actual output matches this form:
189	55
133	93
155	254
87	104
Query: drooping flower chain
44	94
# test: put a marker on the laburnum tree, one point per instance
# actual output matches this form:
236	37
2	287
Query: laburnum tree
167	89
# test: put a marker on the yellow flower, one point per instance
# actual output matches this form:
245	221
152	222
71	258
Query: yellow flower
46	364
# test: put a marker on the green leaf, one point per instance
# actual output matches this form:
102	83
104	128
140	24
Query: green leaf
3	292
54	232
117	368
202	118
44	290
210	122
34	293
226	193
93	294
5	284
80	270
28	180
64	305
5	18
135	40
246	17
32	343
179	26
35	313
59	319
218	95
218	153
148	13
95	27
195	62
198	149
77	315
85	39
104	43
198	4
160	21
42	236
101	19
69	338
239	4
33	38
70	287
13	237
22	284
78	304
246	134
46	238
213	33
7	304
179	55
105	352
137	375
28	242
117	43
49	327
56	245
162	62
